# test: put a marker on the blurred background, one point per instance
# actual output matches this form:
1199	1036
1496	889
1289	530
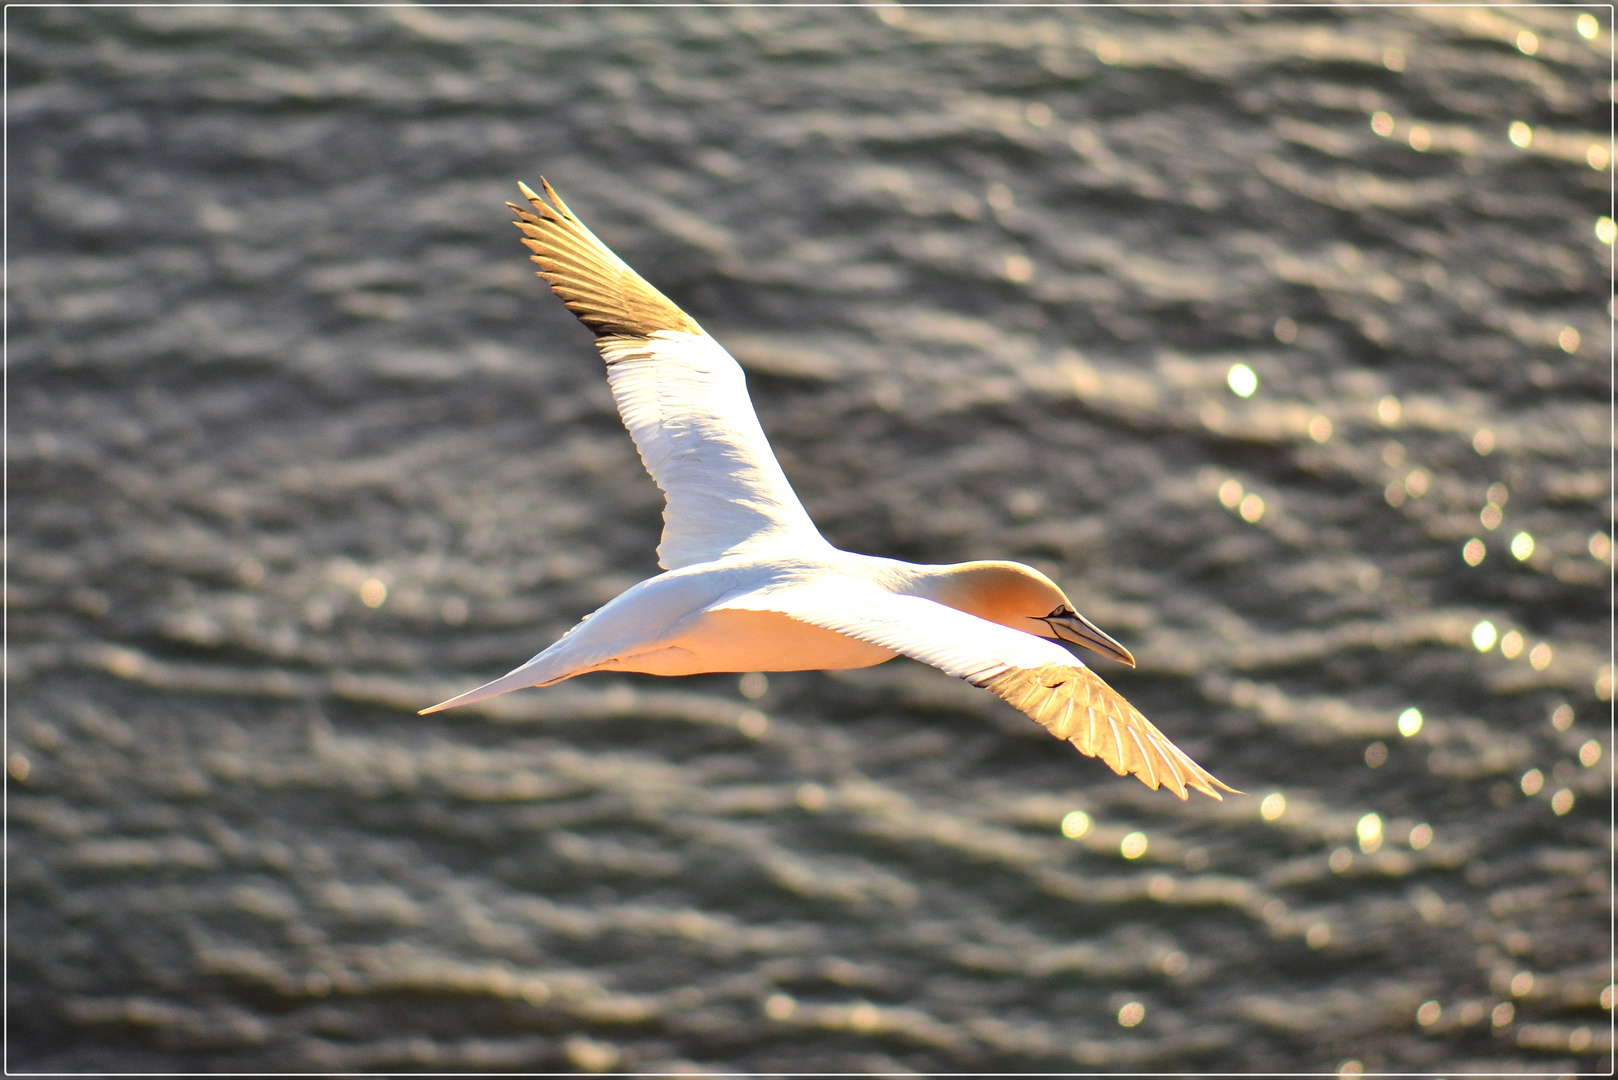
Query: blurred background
1279	337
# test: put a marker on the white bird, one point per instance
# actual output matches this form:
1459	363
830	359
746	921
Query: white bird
749	582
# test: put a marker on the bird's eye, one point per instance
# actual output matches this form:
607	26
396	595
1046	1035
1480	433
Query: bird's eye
1060	612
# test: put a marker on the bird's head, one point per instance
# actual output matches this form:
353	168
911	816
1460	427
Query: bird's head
1022	598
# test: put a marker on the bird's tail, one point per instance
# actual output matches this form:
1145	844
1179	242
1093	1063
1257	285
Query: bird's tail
537	672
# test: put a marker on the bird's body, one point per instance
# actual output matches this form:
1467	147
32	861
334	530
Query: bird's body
749	582
677	623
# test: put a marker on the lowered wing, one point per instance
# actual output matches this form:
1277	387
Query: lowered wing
682	397
1038	677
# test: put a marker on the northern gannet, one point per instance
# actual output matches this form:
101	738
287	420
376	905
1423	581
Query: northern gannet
749	582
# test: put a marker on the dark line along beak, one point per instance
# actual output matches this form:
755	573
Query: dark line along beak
1069	626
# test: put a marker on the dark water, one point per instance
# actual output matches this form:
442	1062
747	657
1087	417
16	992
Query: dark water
272	338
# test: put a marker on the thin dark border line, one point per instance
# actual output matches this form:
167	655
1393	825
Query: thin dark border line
5	534
5	446
1612	508
908	1075
853	5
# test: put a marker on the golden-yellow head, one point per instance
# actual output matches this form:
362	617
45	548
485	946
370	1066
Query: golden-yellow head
1021	598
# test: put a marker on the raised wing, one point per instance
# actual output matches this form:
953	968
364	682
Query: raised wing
1038	677
681	395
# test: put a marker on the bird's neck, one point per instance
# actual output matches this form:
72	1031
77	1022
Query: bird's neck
1002	592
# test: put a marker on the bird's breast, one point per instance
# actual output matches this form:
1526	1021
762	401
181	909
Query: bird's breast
740	640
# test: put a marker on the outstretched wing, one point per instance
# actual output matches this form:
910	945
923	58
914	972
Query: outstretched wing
1038	677
681	395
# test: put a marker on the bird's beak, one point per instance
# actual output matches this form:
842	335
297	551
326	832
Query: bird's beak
1069	626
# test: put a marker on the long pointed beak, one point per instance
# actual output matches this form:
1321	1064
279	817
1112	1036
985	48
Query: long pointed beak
1075	629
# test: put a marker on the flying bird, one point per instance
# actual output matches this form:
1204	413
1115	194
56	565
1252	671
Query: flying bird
749	584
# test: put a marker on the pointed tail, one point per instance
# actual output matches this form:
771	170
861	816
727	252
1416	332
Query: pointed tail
530	674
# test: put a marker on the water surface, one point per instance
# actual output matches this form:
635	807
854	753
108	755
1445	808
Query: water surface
275	352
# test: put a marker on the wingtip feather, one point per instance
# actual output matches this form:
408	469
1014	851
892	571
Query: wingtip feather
608	297
1121	737
555	199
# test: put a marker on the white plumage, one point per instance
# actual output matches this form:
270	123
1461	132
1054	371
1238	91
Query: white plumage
750	584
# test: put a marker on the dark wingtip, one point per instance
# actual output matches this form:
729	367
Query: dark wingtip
595	284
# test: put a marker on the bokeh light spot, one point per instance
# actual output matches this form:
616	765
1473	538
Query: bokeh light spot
1075	824
1242	380
373	593
1511	644
1369	831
